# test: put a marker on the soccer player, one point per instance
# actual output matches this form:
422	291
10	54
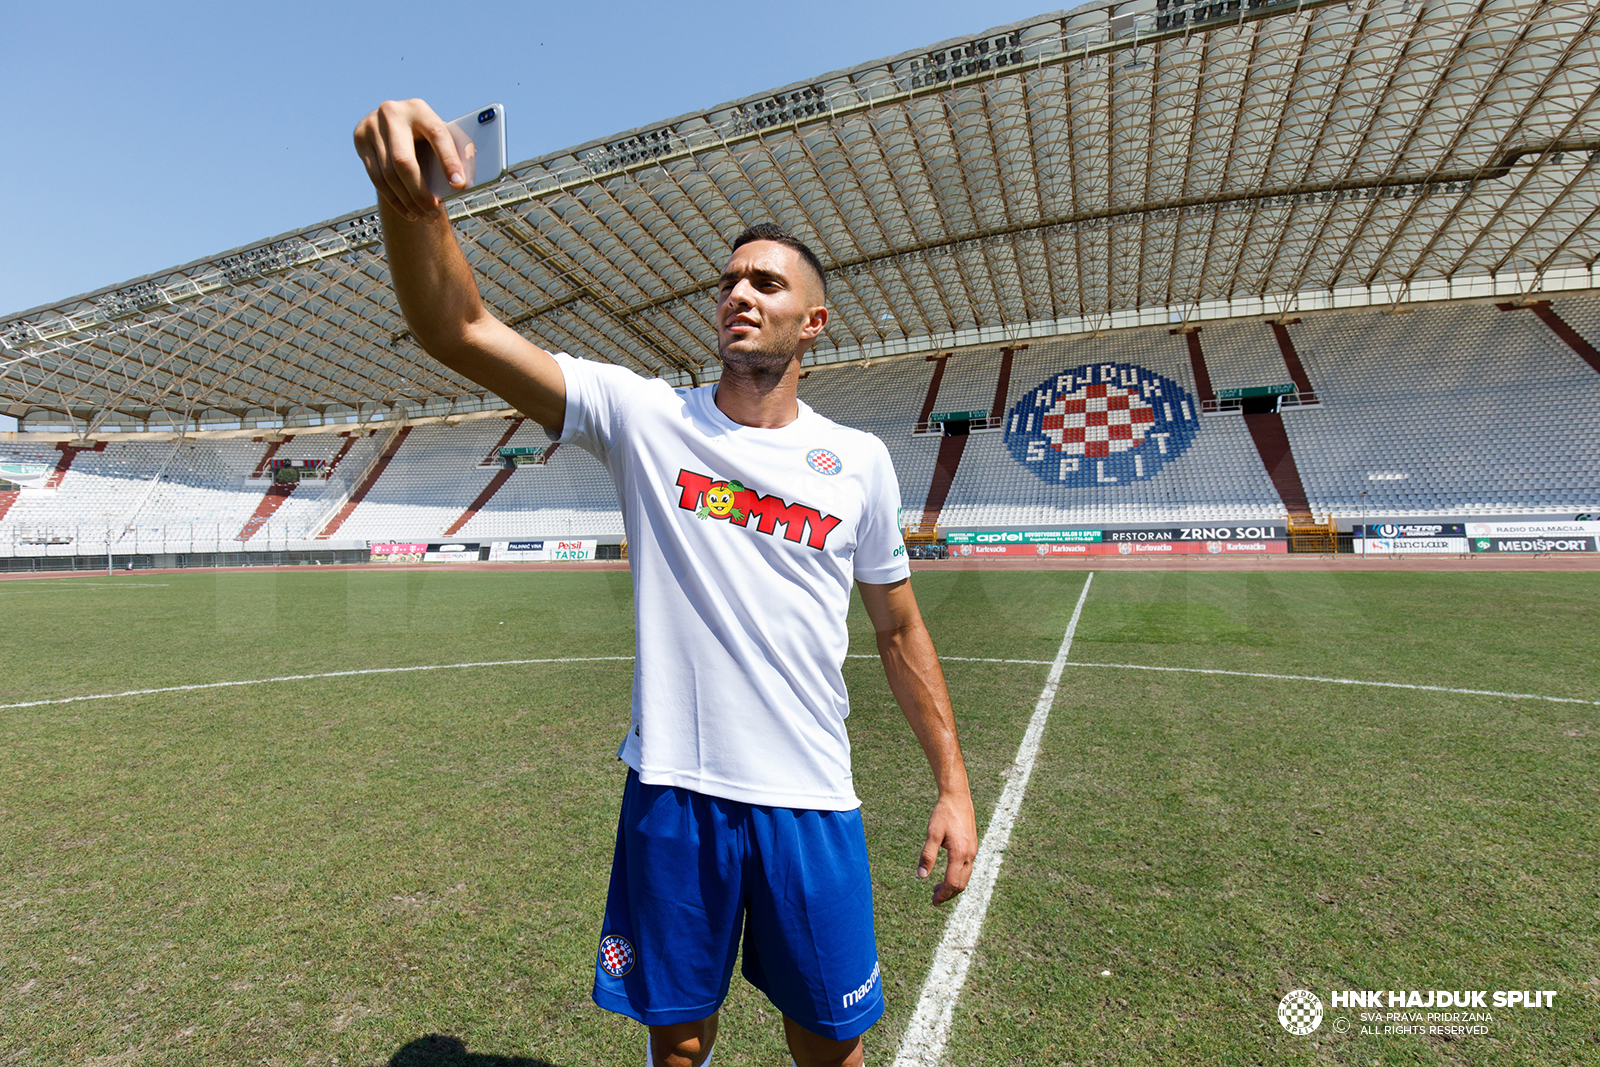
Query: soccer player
749	516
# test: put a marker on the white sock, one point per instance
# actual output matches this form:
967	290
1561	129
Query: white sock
650	1056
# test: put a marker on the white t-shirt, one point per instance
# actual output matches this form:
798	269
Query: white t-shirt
744	544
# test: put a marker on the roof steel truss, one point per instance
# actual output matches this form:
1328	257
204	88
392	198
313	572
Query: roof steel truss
1159	153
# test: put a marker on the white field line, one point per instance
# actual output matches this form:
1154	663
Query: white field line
309	677
929	1028
1278	677
85	585
965	659
947	659
1340	681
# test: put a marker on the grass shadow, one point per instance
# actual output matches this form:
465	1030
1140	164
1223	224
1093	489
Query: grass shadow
443	1050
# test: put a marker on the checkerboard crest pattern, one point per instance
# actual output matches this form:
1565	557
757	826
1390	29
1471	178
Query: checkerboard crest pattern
1300	1012
1101	424
824	462
616	955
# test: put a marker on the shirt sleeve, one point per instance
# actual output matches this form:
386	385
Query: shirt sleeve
597	403
880	550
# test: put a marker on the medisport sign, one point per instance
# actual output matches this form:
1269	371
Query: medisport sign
1528	545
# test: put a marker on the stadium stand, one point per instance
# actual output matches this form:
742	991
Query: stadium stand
569	495
883	398
1220	477
1450	409
1364	305
297	517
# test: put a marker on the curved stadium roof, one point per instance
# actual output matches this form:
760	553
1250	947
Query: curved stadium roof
1111	164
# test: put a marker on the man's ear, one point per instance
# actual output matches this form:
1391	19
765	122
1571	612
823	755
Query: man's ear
816	322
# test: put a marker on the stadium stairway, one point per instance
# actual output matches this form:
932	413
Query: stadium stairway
515	424
266	457
501	477
278	492
954	446
64	464
1291	359
1560	328
271	501
6	500
1266	428
378	467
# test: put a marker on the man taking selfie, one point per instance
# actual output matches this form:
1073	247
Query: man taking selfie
748	517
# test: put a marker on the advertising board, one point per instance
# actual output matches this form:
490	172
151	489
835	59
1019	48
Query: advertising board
1021	537
1401	546
451	552
1118	548
1579	528
1410	538
1396	531
545	551
1151	535
397	552
1533	545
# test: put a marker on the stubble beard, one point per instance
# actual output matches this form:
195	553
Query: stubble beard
766	363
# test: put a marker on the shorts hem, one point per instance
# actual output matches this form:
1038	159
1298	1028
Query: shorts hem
838	1030
660	1017
846	1030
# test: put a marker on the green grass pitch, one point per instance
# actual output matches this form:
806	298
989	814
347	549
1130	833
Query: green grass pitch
325	871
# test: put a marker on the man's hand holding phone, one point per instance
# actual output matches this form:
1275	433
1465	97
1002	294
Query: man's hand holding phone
387	139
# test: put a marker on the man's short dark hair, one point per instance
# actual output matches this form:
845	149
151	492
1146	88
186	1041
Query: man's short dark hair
771	231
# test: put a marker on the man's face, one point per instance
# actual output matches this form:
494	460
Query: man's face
769	307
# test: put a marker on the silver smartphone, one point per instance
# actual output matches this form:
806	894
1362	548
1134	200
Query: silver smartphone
480	139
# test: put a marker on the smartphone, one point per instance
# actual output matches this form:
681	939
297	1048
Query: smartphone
480	139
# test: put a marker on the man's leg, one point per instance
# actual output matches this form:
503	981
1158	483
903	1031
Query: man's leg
683	1044
814	1050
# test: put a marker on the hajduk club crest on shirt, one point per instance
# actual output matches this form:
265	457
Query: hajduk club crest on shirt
1101	423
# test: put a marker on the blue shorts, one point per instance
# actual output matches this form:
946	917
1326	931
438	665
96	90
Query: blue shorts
691	870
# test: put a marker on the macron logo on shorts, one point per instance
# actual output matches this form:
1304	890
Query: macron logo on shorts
856	995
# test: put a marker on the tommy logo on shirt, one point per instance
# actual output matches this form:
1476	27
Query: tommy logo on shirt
713	498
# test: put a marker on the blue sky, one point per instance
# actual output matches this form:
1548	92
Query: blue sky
141	136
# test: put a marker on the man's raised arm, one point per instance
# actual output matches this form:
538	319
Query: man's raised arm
438	294
917	681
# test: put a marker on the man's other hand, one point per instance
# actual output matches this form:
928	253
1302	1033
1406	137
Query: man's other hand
386	140
954	828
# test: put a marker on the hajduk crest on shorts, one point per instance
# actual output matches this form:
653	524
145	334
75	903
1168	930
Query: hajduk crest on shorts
1101	424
